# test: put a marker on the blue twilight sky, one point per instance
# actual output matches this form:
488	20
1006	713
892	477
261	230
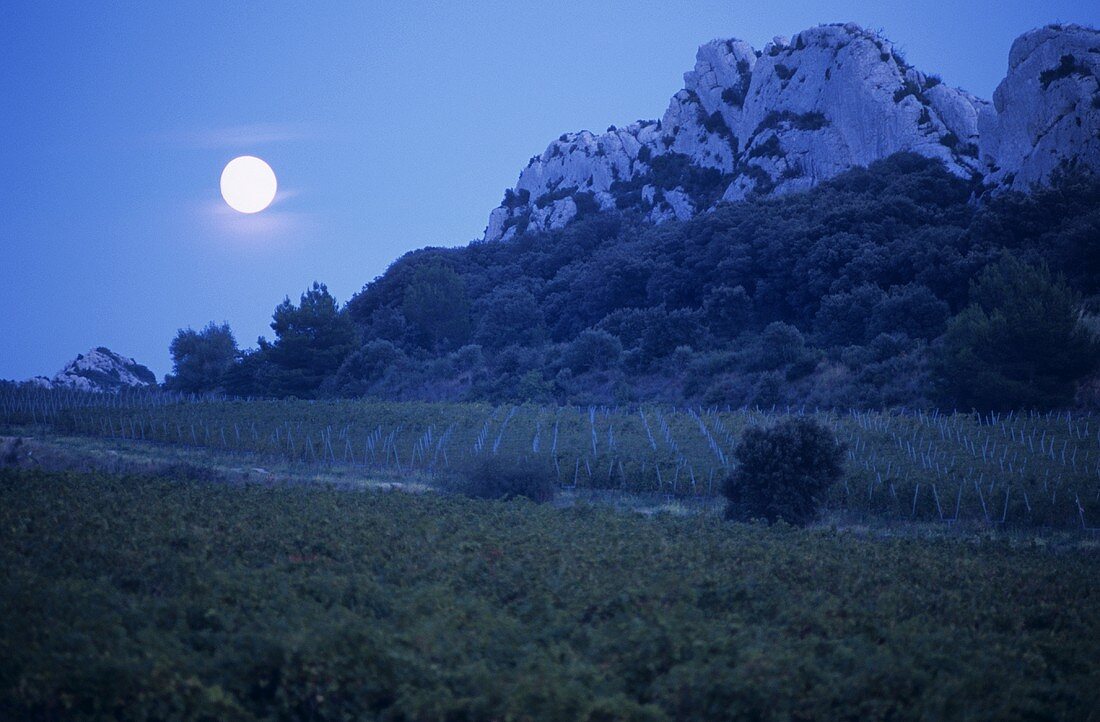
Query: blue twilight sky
390	125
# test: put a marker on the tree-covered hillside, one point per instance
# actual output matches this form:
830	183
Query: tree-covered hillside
891	285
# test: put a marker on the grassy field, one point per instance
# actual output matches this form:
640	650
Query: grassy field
1015	470
169	598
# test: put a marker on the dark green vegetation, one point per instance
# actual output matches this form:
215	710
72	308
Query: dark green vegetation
784	472
1068	65
502	477
1019	344
201	358
1034	470
131	599
839	297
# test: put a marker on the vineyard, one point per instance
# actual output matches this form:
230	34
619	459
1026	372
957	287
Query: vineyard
1019	469
131	598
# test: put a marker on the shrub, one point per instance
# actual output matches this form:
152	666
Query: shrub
555	195
911	309
515	199
908	88
783	71
1068	65
593	349
507	477
770	148
468	358
586	204
783	472
715	123
762	182
509	315
366	366
798	121
778	345
674	170
727	310
843	318
730	96
520	222
792	171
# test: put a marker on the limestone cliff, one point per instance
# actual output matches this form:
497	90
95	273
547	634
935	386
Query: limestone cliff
1046	112
805	109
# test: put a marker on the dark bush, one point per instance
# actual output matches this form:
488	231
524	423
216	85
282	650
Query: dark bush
365	366
908	88
780	344
1067	66
798	121
843	318
783	472
730	96
675	170
728	310
592	349
509	315
911	309
586	204
715	123
770	148
507	477
515	199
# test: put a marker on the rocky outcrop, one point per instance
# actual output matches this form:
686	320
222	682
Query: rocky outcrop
1046	112
836	97
99	370
806	109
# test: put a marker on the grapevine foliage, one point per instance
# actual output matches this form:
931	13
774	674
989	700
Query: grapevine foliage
142	598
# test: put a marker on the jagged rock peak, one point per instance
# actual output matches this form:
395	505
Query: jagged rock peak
1046	112
99	370
805	109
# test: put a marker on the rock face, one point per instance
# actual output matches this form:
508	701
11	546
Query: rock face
99	370
1046	112
803	110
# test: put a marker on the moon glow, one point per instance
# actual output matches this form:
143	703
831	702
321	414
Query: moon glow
248	184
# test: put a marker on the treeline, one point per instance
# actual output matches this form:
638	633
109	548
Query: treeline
885	286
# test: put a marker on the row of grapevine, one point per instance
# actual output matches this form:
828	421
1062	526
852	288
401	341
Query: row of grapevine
1036	469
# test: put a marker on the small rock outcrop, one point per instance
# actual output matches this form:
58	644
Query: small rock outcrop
803	110
99	370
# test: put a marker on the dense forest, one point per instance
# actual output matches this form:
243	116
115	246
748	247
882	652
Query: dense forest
894	285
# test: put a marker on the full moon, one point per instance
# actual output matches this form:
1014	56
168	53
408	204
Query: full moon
248	184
